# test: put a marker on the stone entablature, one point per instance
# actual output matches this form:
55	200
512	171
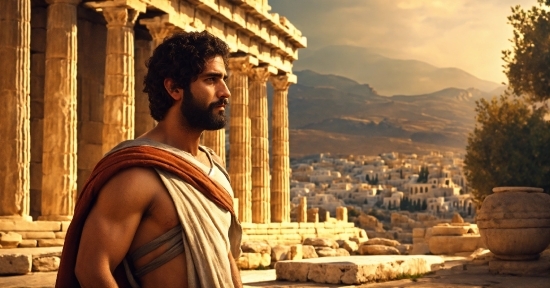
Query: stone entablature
245	25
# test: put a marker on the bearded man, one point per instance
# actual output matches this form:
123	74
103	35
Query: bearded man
157	211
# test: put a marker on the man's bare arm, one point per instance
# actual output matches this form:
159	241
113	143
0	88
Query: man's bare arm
111	226
235	274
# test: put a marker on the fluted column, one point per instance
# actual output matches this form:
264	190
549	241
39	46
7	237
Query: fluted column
59	168
15	26
143	121
280	173
239	137
260	143
159	29
118	104
215	139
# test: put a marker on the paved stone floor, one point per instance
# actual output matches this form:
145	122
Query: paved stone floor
454	274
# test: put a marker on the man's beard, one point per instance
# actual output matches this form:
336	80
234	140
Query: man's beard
199	117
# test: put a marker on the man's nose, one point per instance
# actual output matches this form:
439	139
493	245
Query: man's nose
224	91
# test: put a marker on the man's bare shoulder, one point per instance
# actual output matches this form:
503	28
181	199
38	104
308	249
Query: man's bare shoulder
136	184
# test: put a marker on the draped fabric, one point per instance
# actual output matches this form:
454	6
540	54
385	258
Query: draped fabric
203	200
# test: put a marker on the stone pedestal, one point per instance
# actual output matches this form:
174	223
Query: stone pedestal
260	143
240	136
118	104
280	174
59	166
15	16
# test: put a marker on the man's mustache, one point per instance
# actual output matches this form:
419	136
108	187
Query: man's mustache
223	101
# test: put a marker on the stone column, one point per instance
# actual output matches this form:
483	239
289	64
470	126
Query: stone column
301	214
216	141
158	28
342	214
15	26
280	173
59	168
239	137
260	143
118	104
143	121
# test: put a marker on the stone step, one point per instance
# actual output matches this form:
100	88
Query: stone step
19	261
356	269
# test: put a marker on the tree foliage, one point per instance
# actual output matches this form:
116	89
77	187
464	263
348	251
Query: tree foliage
423	175
508	147
527	64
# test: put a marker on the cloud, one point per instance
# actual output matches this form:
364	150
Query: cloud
467	34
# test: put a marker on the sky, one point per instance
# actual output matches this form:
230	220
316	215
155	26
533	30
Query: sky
466	34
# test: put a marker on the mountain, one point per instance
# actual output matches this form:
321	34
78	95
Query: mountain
331	113
386	75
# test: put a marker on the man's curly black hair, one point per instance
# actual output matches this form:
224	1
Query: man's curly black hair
181	57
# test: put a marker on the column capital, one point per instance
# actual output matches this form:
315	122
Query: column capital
120	16
261	74
159	27
129	4
73	2
282	82
242	65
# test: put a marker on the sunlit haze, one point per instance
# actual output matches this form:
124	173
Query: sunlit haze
466	34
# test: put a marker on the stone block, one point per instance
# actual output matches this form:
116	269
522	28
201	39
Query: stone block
448	245
256	247
10	240
325	251
45	264
350	246
452	230
249	261
274	231
65	225
420	249
19	225
306	225
419	240
377	250
50	242
38	235
88	155
321	242
15	264
341	252
60	235
428	233
382	241
296	252
279	252
418	232
353	270
404	249
28	243
290	225
309	252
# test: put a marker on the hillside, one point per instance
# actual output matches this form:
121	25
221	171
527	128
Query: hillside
388	76
329	113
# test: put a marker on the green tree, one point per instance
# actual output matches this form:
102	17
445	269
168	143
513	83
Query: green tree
508	147
423	175
528	63
424	205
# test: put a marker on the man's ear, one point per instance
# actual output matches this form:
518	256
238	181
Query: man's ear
172	89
